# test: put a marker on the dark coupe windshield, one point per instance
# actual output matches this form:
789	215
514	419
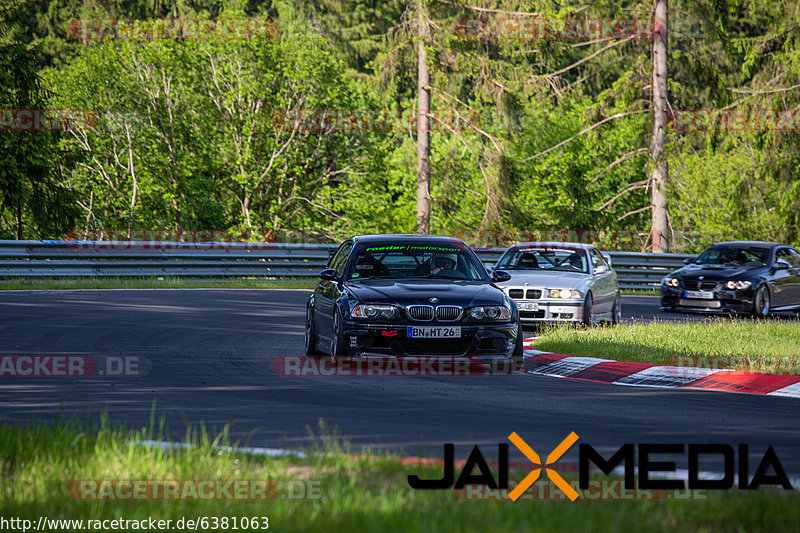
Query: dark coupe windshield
734	255
545	259
419	259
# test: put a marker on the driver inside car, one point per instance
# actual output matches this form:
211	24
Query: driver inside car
441	262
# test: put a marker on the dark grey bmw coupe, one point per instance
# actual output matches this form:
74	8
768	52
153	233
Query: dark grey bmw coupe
736	277
412	295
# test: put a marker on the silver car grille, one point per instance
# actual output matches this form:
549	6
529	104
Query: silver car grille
420	312
448	313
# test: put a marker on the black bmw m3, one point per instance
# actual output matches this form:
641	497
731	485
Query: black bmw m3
751	277
412	295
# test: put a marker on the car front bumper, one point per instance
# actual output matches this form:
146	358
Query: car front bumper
486	342
550	310
723	301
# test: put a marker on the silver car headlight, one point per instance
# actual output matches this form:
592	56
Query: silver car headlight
375	312
490	312
738	285
563	293
670	282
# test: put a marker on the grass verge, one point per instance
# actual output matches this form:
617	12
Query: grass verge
734	343
330	491
153	283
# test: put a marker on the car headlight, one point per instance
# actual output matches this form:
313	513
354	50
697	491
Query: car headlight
375	312
670	282
490	312
563	293
738	285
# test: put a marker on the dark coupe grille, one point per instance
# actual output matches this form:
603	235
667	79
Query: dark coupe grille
515	293
434	346
533	294
448	313
694	285
420	312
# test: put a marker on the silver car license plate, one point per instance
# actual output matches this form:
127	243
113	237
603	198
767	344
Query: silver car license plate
704	295
529	306
432	332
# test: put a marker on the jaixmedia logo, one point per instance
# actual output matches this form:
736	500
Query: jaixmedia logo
630	457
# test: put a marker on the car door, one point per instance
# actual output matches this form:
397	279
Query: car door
794	292
328	291
782	278
602	282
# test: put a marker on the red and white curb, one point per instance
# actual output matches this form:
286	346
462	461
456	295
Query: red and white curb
648	375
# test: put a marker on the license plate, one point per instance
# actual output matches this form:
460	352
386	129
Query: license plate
529	307
431	332
704	295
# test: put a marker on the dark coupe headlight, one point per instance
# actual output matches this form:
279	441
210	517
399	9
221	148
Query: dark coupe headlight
490	312
738	285
670	282
375	312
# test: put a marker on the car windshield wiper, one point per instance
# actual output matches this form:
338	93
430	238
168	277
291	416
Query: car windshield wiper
440	276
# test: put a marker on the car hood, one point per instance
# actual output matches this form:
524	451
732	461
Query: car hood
719	272
419	291
544	278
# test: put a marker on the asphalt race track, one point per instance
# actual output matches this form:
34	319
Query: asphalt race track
209	353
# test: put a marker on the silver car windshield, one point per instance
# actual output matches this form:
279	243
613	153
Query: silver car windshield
563	260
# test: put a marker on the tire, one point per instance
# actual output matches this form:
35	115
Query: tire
337	347
588	317
761	302
311	335
616	311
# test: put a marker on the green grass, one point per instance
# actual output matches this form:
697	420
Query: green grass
154	283
735	343
356	493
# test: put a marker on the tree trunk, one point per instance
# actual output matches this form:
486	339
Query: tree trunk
658	178
423	129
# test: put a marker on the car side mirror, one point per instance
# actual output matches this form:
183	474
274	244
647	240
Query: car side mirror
498	276
602	269
329	274
688	260
781	265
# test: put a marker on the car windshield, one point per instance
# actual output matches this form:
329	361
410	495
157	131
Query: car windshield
416	260
734	255
564	260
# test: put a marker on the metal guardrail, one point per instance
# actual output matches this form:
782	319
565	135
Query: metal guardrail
132	259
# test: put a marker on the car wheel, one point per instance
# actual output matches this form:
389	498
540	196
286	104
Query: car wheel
588	316
616	312
337	348
311	335
761	302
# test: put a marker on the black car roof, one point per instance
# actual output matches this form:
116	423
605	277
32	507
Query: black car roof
764	244
405	237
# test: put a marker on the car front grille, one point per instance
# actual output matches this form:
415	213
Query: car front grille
694	285
435	346
515	293
448	313
531	314
420	312
533	294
